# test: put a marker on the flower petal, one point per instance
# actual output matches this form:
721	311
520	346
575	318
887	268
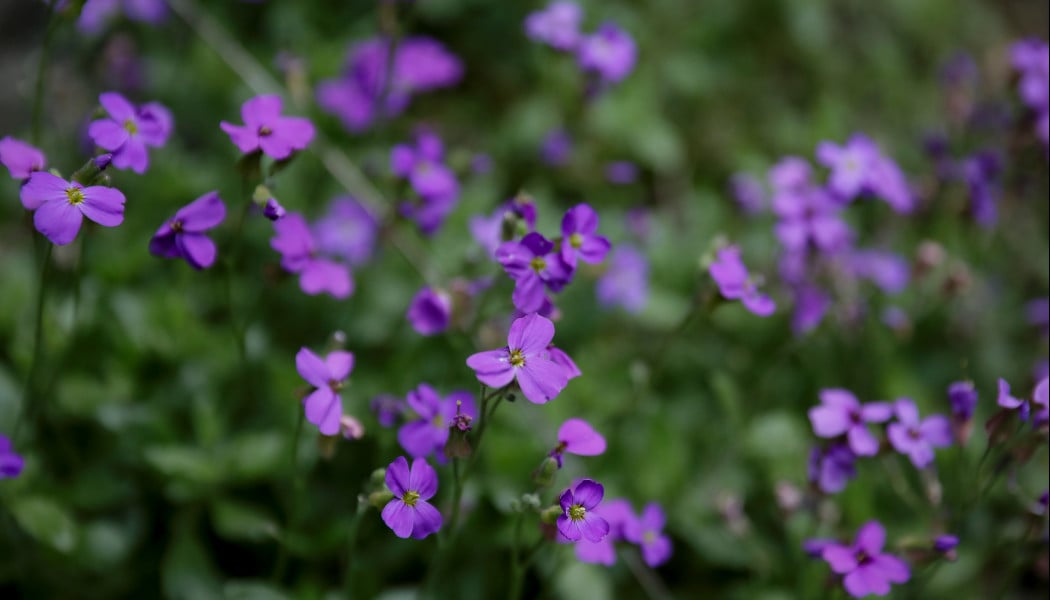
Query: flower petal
492	367
397	476
58	220
261	111
418	438
203	213
108	134
399	517
339	364
588	493
840	558
871	537
568	529
593	527
245	138
427	520
324	408
311	368
198	249
117	106
423	479
103	205
531	334
580	438
541	380
43	187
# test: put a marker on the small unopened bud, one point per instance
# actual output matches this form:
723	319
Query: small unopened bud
530	501
102	161
273	210
351	428
543	476
380	499
550	514
378	478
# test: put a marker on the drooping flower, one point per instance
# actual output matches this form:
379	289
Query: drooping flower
298	249
11	463
578	519
916	438
734	282
626	282
429	432
840	413
348	230
534	265
183	236
831	468
267	130
609	52
20	158
409	514
579	230
558	25
647	532
863	565
430	311
128	130
525	359
324	405
61	206
576	436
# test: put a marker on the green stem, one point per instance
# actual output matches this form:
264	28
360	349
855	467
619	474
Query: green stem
41	75
297	485
38	334
517	570
457	496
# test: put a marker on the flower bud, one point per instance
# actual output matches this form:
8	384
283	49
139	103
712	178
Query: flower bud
380	499
550	514
543	476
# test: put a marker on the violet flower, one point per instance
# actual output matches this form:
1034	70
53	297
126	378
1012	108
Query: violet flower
578	519
348	230
324	406
1008	401
562	359
647	532
11	463
579	229
422	165
387	408
621	172
430	311
95	14
267	130
533	264
963	399
61	206
556	147
840	413
831	468
864	567
734	282
525	359
183	236
273	210
850	165
20	158
626	282
298	249
609	52
810	219
409	514
916	438
576	436
748	192
128	130
558	25
429	432
1041	402
617	513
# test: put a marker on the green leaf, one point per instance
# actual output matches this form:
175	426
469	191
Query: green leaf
46	521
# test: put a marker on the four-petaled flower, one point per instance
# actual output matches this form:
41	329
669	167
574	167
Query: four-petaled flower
265	129
866	569
409	514
533	263
184	235
734	282
61	206
525	359
429	433
128	130
918	438
579	229
324	405
647	532
298	249
578	519
841	413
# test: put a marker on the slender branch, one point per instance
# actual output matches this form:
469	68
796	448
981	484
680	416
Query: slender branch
38	334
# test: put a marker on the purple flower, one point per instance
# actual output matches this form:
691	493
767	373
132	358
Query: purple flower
265	129
129	130
1008	401
748	192
562	359
814	547
963	399
810	218
790	176
578	519
1041	400
1030	59
184	235
434	182
647	532
429	433
735	283
324	406
866	569
918	438
348	230
20	158
840	413
558	25
850	165
273	210
810	305
350	428
430	311
621	172
831	468
387	408
885	269
945	543
981	172
11	463
299	255
556	147
610	52
576	436
617	513
626	282
61	206
525	359
97	13
579	229
533	264
409	514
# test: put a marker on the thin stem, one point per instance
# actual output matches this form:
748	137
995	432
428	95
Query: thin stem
38	332
517	570
41	75
297	484
457	496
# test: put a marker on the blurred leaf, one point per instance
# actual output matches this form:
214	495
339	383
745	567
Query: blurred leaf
238	521
45	521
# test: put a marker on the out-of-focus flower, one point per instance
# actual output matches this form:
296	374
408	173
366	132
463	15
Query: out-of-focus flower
11	463
267	130
576	436
348	230
183	236
324	405
294	240
558	25
129	130
430	311
831	468
865	568
840	413
429	432
748	192
647	532
20	158
436	185
916	438
556	147
579	231
609	52
96	14
735	283
621	172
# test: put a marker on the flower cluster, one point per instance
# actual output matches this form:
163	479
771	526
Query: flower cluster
609	53
435	184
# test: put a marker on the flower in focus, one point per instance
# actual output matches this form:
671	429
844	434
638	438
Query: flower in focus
11	463
184	235
864	567
647	532
562	359
429	432
578	519
324	405
267	130
735	283
61	206
626	282
579	229
298	249
409	514
918	438
128	130
558	25
524	359
430	311
840	413
20	158
576	436
609	52
533	264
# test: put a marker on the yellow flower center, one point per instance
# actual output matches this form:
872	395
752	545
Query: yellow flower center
335	385
649	537
538	264
438	421
577	512
410	498
517	358
576	240
75	195
131	127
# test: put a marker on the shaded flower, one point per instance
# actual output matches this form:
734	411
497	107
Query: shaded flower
626	282
435	183
811	303
348	230
129	130
556	147
298	249
888	271
810	219
840	413
183	236
430	311
267	130
524	359
20	158
748	192
647	532
734	282
273	210
324	405
429	432
578	519
409	514
963	399
831	468
387	408
558	25
864	567
11	463
61	206
576	436
533	264
617	513
579	230
96	14
916	438
609	52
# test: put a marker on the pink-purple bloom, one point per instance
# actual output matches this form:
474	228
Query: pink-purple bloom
962	396
840	413
184	235
1008	401
917	438
95	14
524	359
422	165
348	230
61	206
647	532
299	254
577	436
617	513
409	514
20	158
1030	59
324	405
579	230
859	167
11	463
430	311
734	282
626	282
831	468
864	567
267	130
609	52
428	433
558	25
578	519
748	192
533	264
127	130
